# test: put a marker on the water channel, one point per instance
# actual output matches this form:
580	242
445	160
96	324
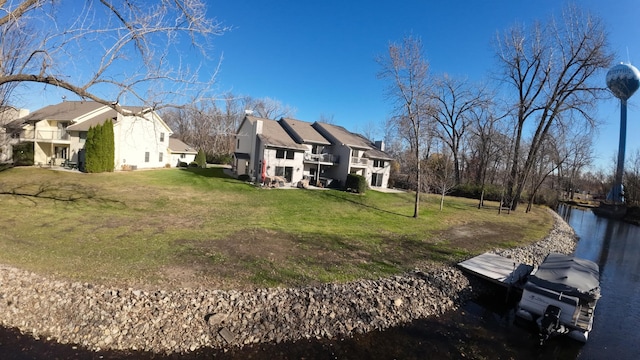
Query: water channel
483	329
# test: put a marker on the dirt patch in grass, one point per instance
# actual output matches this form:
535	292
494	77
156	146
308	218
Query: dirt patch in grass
253	257
476	236
260	257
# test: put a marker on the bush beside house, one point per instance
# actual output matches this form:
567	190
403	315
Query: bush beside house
356	183
23	154
100	148
201	159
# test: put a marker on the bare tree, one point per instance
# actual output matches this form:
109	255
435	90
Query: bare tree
455	100
489	144
269	108
632	180
326	118
441	174
550	67
207	125
109	51
407	72
370	130
579	154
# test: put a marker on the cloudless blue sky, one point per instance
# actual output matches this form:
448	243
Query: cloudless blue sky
319	56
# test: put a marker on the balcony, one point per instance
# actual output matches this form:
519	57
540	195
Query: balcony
358	161
320	158
51	135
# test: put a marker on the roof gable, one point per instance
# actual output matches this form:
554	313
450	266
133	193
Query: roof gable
342	135
273	134
178	146
94	120
66	110
303	131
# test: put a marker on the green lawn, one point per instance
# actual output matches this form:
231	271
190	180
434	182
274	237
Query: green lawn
198	227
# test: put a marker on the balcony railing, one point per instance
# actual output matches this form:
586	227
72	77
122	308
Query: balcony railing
52	135
328	158
358	161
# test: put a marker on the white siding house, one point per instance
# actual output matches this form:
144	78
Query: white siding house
59	132
295	150
181	152
264	149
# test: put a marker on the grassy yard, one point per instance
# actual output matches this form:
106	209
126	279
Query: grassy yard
190	228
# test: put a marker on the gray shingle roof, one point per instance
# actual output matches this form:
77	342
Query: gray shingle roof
178	146
93	121
343	136
274	135
66	110
304	132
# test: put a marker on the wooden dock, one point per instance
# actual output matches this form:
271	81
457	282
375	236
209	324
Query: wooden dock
497	269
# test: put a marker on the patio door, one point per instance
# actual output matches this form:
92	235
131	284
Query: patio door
288	173
376	179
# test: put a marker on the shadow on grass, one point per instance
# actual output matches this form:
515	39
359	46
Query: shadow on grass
214	172
57	192
334	194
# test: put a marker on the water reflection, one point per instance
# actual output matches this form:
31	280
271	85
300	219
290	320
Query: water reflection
615	246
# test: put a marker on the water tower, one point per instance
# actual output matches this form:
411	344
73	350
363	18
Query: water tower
623	80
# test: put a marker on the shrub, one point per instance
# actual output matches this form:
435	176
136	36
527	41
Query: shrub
201	159
356	183
224	159
193	164
182	164
100	148
23	154
244	177
473	191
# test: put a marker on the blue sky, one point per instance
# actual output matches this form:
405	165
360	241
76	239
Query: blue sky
319	56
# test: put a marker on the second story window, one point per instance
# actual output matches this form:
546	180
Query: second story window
161	137
284	154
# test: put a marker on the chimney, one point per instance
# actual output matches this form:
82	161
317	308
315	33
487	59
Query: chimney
258	127
380	145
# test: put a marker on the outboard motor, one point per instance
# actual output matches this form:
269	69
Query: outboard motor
550	323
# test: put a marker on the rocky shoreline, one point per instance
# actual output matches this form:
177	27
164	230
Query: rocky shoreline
100	318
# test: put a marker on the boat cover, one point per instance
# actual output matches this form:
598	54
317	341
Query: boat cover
569	275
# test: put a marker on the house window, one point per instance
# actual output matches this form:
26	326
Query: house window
160	157
284	154
146	156
161	138
182	156
82	136
238	144
378	163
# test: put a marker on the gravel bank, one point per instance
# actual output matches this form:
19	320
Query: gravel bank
100	317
